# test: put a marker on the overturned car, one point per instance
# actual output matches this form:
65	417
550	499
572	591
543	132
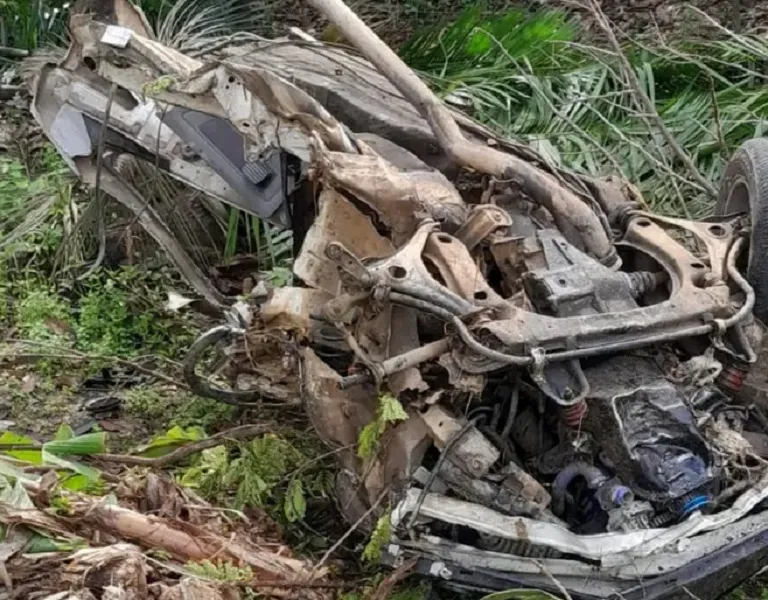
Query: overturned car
572	367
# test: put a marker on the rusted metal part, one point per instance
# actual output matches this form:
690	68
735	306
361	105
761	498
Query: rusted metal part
483	221
473	308
396	364
473	453
340	223
693	307
522	485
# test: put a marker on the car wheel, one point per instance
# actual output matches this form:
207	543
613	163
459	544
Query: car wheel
744	190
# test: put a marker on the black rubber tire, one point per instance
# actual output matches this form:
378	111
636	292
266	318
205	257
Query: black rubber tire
744	190
203	388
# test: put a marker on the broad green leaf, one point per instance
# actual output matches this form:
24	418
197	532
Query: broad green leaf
172	439
49	458
33	457
295	502
82	445
77	482
8	470
39	544
15	495
64	432
391	410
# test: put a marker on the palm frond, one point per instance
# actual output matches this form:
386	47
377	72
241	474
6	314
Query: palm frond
186	23
527	76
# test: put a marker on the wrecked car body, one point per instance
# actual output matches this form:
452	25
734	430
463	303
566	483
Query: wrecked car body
570	362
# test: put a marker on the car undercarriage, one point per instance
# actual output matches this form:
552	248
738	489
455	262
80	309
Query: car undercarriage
569	365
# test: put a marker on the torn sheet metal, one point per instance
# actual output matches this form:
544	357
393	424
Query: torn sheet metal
398	198
291	308
611	549
338	221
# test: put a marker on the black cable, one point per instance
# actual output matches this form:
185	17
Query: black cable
440	461
514	401
98	198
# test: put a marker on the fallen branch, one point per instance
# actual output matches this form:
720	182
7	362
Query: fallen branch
578	222
646	104
384	589
70	354
236	433
191	543
13	52
352	529
560	587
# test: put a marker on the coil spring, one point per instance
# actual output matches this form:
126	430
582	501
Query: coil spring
516	547
661	520
573	415
732	377
647	521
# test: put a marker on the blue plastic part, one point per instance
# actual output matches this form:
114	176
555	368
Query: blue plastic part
694	504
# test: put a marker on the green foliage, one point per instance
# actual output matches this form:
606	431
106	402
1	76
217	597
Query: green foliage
174	438
161	84
206	413
43	316
274	249
413	592
379	538
114	312
173	407
30	24
225	571
523	75
36	209
268	472
404	591
389	411
57	453
121	312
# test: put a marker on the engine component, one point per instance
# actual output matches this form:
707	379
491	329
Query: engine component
691	503
530	435
522	484
733	376
647	432
574	415
494	496
630	516
573	284
516	547
608	493
473	453
637	514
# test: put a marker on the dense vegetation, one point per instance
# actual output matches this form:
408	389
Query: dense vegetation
527	74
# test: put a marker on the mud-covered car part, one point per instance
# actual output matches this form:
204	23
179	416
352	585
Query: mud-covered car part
555	347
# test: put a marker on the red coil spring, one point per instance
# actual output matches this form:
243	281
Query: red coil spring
732	377
573	415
